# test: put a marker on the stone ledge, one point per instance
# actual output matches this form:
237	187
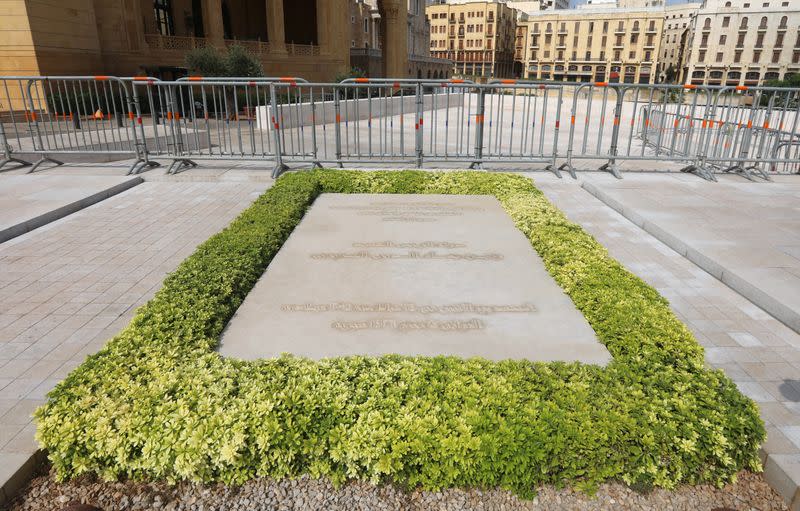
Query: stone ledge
770	304
14	476
66	210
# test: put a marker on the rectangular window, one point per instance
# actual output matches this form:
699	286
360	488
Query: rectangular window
779	40
796	57
776	56
722	39
163	13
719	56
760	41
737	57
632	55
726	21
701	56
740	41
756	56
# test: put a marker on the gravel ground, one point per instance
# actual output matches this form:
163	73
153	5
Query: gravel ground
751	492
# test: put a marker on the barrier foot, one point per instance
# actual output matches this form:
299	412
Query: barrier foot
44	159
20	163
316	165
699	171
475	165
555	170
612	168
761	172
279	169
180	165
137	167
740	170
569	168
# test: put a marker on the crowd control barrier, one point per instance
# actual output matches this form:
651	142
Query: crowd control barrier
285	121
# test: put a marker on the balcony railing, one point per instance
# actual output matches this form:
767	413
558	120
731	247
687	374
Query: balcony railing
180	43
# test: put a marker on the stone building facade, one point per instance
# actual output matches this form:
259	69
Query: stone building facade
137	37
477	36
583	45
743	42
678	21
366	53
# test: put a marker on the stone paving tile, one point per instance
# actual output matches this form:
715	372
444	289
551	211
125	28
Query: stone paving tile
68	287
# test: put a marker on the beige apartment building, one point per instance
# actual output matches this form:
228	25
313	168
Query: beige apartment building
744	42
678	21
581	45
477	36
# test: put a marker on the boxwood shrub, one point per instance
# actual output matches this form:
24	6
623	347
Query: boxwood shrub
158	402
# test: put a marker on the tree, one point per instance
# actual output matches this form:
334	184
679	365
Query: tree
236	61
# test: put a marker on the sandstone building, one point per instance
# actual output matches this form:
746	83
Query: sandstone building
678	21
366	52
477	36
619	45
308	38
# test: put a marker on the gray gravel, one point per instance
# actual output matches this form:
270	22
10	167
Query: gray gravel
751	492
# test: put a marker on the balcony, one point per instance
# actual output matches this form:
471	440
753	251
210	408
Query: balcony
259	48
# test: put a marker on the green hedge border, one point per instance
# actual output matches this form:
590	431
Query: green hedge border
159	402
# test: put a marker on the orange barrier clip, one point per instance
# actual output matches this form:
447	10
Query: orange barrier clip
479	119
101	78
195	78
362	80
601	84
508	82
766	125
689	86
572	120
742	87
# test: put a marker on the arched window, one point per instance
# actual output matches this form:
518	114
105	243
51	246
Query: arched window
635	26
727	4
707	23
698	74
743	24
784	20
763	22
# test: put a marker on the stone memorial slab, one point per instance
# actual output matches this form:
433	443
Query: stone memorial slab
413	275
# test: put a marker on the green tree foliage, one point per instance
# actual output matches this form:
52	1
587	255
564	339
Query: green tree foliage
236	61
159	402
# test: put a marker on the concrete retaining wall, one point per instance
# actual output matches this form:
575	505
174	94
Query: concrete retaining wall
352	110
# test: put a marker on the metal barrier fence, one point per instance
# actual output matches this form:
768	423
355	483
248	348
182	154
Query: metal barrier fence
287	120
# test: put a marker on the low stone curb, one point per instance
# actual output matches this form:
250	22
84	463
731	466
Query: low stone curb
66	210
17	477
781	471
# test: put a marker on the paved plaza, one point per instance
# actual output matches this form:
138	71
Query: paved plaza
69	286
